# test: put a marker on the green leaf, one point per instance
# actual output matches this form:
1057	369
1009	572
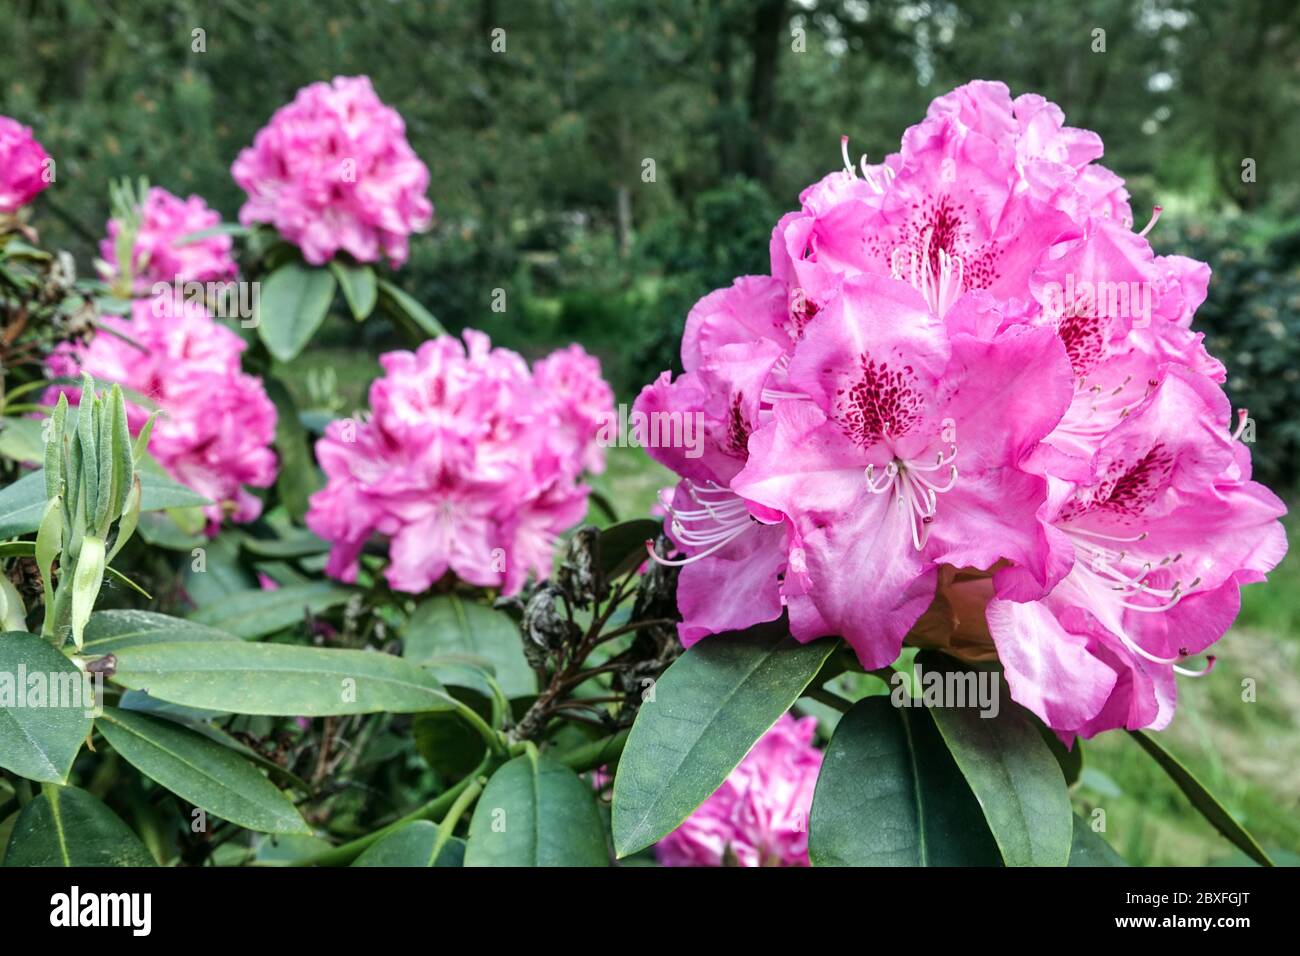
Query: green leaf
1009	767
412	845
200	771
1069	759
163	529
65	826
449	745
359	286
37	740
54	449
1201	798
293	302
622	546
256	613
408	312
536	812
709	708
890	794
1088	848
448	624
287	849
213	576
198	721
298	477
21	439
222	229
6	830
297	543
23	503
13	613
278	679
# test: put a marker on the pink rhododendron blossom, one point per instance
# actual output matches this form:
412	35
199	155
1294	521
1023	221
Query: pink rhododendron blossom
759	816
571	378
215	423
23	165
333	172
158	256
468	463
967	409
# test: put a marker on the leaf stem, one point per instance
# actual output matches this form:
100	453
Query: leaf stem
448	825
439	805
494	739
596	754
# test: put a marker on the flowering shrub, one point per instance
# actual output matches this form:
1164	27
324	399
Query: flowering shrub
468	462
23	163
333	172
965	358
152	246
961	434
216	423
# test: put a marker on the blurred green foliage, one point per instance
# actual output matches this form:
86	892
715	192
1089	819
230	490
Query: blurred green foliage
1251	320
539	152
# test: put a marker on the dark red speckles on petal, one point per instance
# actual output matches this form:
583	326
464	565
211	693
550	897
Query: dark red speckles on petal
737	427
1084	342
1129	489
882	400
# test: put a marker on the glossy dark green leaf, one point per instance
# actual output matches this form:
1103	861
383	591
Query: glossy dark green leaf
292	304
279	679
536	812
201	722
360	289
622	546
1088	848
448	624
109	631
1069	759
413	845
708	709
257	613
1200	797
200	771
890	794
1007	764
23	502
38	740
65	826
447	743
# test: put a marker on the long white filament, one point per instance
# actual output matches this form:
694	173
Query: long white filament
722	516
912	487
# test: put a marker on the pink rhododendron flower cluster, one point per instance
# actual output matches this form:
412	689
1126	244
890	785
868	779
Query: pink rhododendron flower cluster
969	384
23	163
157	256
468	462
333	171
215	423
759	816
